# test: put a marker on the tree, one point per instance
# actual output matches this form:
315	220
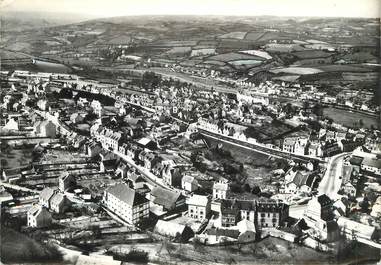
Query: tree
361	123
256	190
247	187
3	163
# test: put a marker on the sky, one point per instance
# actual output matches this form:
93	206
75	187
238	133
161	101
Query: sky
110	8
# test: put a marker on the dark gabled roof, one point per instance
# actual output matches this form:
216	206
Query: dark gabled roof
229	207
356	160
269	206
126	194
303	179
223	232
324	200
247	205
47	193
165	197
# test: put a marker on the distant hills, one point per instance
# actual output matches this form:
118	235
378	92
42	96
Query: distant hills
19	21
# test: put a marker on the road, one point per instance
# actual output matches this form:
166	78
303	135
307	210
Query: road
331	182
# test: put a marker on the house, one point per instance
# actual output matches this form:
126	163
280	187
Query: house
65	181
76	118
45	195
348	145
38	216
121	170
167	199
371	165
109	139
189	183
172	175
319	208
135	178
376	208
353	229
349	189
298	181
94	149
229	213
134	152
199	206
331	148
149	159
271	213
247	210
314	149
173	230
45	129
147	143
341	207
220	190
123	148
11	125
126	203
97	107
325	230
301	146
221	235
59	203
289	144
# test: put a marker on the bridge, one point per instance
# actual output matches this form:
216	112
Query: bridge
258	147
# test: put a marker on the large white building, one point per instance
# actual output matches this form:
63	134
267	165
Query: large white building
199	206
126	203
38	216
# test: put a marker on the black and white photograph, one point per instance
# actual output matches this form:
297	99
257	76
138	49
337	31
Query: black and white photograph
181	132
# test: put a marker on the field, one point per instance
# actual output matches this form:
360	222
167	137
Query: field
245	62
174	43
179	50
275	47
342	68
350	118
311	54
214	62
234	35
259	53
297	70
226	57
119	40
205	51
254	35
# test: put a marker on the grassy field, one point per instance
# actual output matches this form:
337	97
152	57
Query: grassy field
350	119
234	35
232	56
297	70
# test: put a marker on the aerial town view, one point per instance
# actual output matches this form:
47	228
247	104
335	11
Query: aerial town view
171	136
